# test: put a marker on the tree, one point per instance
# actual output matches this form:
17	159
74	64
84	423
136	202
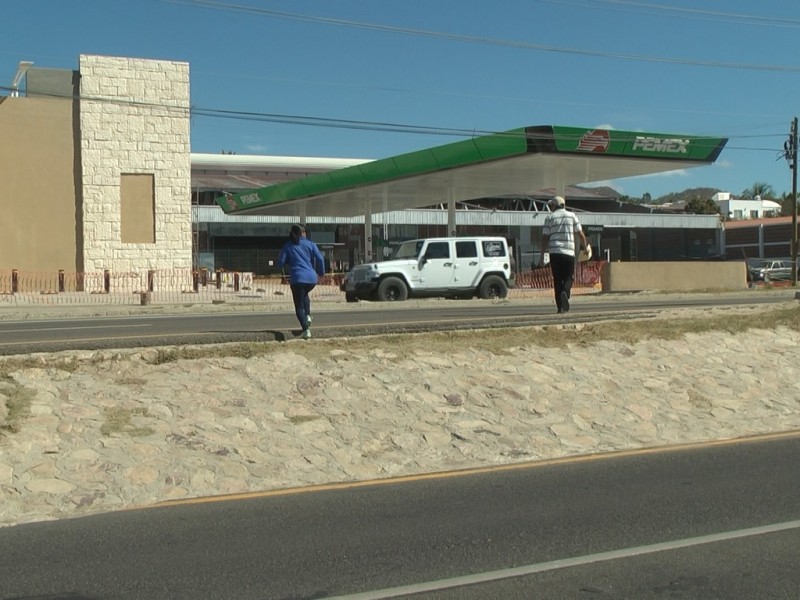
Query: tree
786	204
759	188
702	206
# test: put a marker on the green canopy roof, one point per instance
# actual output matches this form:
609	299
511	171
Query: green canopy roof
519	161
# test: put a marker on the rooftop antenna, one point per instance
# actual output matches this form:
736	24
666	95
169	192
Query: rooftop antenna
24	65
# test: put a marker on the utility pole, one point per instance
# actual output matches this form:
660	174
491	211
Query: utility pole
790	153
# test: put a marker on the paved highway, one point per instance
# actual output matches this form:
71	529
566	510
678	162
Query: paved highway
705	522
66	332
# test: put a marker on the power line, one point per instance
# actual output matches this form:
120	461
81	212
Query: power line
633	6
335	123
377	126
225	6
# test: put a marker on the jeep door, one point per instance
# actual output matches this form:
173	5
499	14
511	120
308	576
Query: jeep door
466	264
436	266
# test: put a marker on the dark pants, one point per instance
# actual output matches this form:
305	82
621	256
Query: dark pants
563	268
302	303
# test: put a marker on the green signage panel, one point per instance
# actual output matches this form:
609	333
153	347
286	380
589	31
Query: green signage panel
637	144
461	156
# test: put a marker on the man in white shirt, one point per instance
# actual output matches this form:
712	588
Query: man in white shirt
558	239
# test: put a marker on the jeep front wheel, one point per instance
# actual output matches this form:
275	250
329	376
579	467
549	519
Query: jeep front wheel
493	287
392	289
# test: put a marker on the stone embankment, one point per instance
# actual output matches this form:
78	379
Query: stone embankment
86	432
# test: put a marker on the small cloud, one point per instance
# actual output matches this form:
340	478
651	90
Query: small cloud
678	173
257	148
723	164
667	174
605	126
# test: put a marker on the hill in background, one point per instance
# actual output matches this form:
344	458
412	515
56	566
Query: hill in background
704	193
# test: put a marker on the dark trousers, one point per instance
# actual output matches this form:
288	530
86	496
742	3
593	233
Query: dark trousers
302	303
563	268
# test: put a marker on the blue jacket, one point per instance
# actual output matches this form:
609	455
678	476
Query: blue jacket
304	259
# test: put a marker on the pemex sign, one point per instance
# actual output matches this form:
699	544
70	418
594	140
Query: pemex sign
633	144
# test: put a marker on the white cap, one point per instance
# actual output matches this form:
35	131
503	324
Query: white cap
557	201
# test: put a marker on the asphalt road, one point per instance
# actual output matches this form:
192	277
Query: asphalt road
67	332
706	522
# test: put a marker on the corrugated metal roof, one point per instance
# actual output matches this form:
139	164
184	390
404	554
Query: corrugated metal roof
215	214
229	182
238	173
287	164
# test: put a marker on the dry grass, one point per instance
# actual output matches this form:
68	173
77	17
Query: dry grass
132	381
500	341
119	420
18	404
667	326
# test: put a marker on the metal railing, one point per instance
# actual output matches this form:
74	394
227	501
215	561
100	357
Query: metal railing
182	286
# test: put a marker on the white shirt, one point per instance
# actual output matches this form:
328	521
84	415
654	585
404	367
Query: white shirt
561	226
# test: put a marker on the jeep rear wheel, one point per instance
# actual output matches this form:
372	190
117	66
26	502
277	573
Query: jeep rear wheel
493	287
392	289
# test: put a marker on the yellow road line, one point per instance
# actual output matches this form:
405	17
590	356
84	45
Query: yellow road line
764	437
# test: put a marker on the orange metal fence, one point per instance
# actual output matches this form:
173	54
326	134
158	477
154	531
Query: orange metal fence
182	286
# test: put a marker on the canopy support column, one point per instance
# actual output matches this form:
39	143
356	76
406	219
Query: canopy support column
367	231
385	239
451	213
561	185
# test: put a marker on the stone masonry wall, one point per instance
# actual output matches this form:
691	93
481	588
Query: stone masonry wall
134	119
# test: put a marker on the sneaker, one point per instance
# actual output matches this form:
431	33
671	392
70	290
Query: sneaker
564	302
306	334
308	319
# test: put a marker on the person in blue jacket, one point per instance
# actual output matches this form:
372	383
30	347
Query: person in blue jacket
306	264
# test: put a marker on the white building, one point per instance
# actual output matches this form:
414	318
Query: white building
737	209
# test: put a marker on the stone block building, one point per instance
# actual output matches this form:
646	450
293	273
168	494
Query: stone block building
95	166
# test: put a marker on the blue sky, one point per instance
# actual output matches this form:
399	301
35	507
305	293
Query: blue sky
724	68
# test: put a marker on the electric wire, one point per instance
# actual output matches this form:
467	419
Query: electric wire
633	6
375	126
226	6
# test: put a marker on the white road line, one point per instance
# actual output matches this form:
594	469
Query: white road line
443	584
26	330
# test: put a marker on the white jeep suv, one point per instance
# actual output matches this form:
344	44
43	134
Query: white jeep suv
458	267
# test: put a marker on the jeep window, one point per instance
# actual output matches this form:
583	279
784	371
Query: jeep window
409	249
494	248
438	250
466	249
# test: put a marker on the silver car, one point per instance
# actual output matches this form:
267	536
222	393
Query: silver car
773	270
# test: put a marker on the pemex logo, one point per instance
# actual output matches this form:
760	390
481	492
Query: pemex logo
596	140
231	202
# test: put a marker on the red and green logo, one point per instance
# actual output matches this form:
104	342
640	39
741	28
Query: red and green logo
596	140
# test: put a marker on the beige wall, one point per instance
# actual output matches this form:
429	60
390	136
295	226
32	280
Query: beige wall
137	209
37	175
63	165
673	276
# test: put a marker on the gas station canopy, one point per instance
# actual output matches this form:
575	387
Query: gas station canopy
519	161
